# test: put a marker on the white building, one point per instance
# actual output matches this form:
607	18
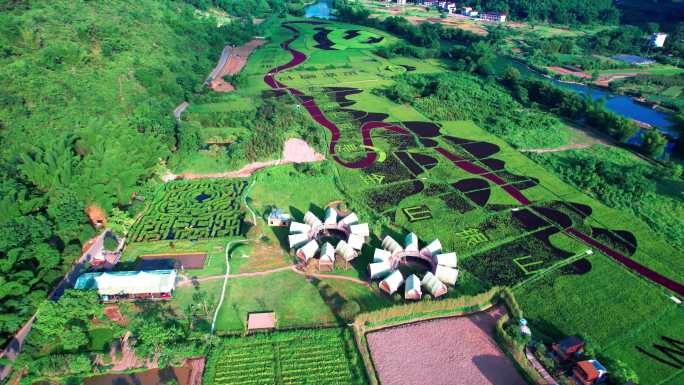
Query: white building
658	39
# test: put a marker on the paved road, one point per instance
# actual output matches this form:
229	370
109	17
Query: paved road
178	111
13	349
222	62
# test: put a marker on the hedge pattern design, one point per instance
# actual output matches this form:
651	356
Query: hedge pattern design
192	210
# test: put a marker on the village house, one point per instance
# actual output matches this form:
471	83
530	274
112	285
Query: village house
568	348
278	218
589	372
493	16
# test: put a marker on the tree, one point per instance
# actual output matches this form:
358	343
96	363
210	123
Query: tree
119	221
654	143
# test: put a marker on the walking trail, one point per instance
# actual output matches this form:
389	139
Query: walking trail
576	146
293	268
295	150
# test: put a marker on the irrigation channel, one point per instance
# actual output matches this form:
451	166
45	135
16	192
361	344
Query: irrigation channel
317	114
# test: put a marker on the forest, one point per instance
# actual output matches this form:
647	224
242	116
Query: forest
85	120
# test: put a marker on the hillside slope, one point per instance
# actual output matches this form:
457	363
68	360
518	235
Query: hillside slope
85	117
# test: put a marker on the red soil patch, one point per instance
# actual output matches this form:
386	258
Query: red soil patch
457	350
565	71
97	216
260	321
236	60
113	313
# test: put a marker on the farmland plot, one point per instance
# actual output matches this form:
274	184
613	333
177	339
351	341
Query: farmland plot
306	357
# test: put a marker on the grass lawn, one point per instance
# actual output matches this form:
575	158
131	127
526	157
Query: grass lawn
295	300
100	338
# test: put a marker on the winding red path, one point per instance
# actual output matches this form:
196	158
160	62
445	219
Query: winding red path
366	128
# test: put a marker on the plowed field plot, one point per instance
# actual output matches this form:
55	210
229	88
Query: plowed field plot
454	351
306	357
192	210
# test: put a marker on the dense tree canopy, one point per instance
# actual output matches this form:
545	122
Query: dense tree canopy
556	11
85	118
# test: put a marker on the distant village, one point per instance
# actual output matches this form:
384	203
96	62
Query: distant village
453	10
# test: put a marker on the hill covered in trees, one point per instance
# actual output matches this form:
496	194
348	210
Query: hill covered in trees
85	118
555	11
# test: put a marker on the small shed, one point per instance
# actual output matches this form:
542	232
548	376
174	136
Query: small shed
308	251
330	216
327	259
278	218
446	274
411	242
381	255
312	220
345	251
392	282
448	259
261	321
389	244
356	241
589	372
350	219
435	247
433	285
297	240
379	269
412	288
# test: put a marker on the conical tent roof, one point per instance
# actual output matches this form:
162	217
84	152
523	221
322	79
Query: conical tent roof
448	259
389	244
311	220
435	247
296	227
308	251
433	285
392	282
297	240
360	229
411	242
346	251
446	274
328	253
379	269
381	255
350	219
412	288
330	216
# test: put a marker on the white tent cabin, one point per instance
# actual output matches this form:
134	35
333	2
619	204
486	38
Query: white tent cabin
345	251
379	269
330	217
350	219
389	244
297	240
327	259
411	242
412	289
446	274
311	220
433	285
435	247
356	241
308	251
391	284
381	255
360	229
448	260
296	227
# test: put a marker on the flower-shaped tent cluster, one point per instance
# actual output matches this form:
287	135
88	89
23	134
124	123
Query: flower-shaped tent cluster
304	237
386	261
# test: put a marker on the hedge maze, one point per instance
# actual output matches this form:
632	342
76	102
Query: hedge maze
192	210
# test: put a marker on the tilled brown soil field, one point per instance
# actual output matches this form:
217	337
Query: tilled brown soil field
450	351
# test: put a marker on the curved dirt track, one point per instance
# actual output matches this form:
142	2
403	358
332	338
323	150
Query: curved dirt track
318	115
271	271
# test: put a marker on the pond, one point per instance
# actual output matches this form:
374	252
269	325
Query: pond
321	10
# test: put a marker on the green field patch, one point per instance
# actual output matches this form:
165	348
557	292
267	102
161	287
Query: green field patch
295	300
315	356
655	349
192	210
672	92
563	303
